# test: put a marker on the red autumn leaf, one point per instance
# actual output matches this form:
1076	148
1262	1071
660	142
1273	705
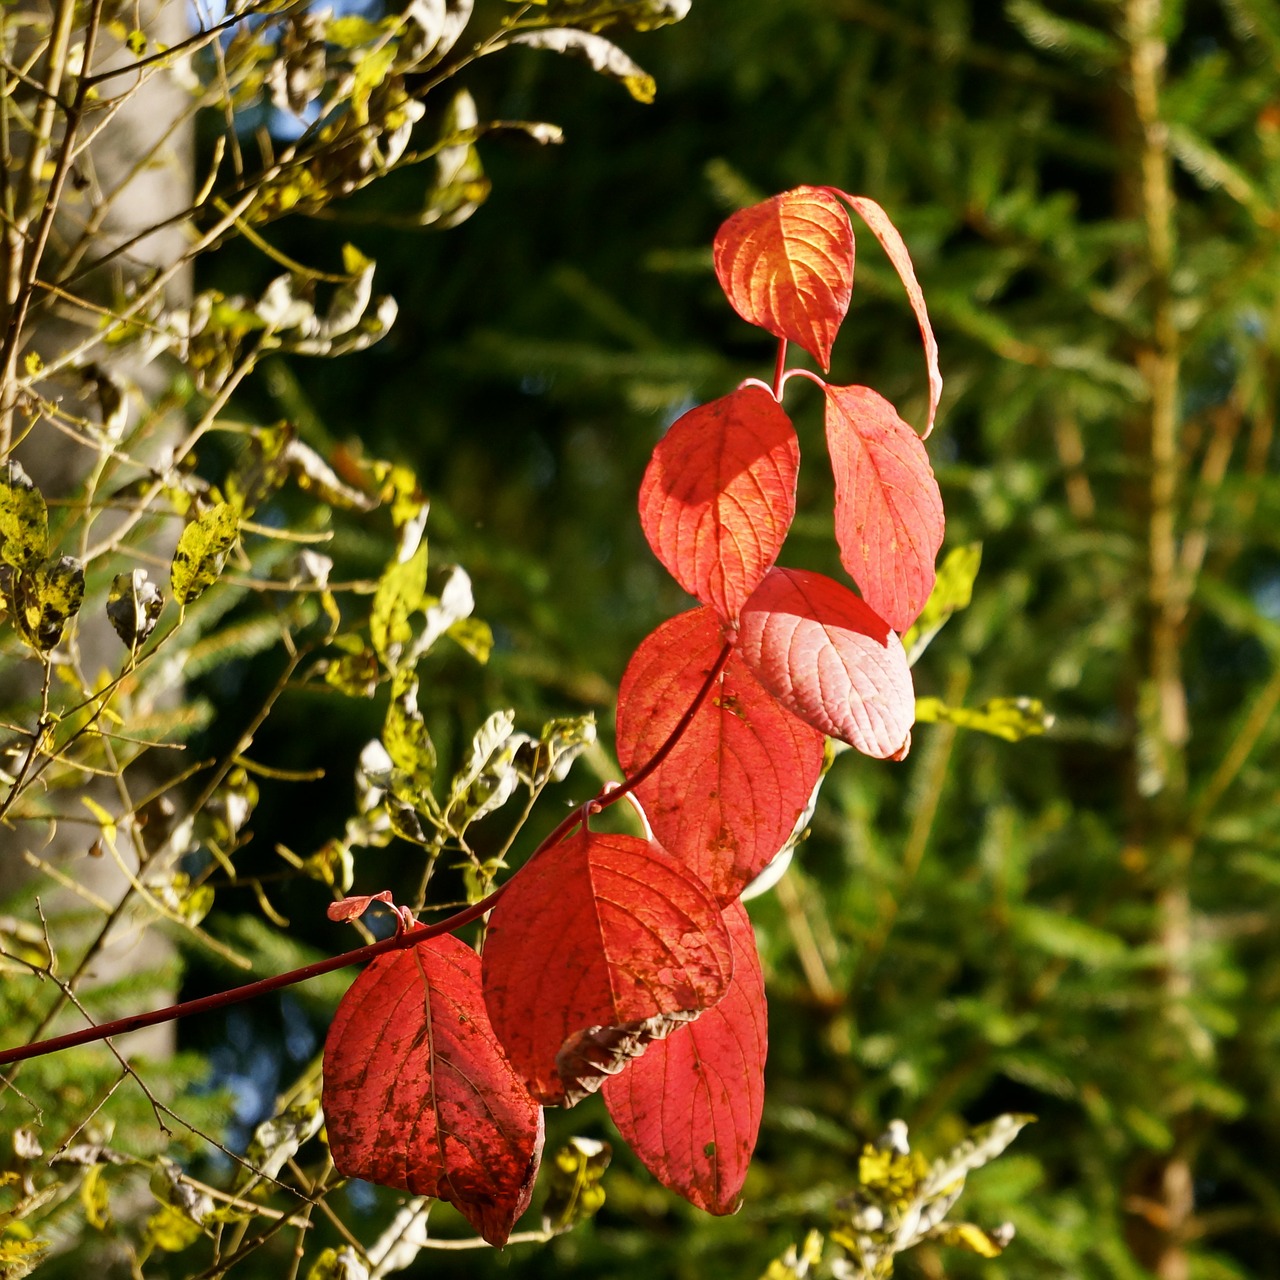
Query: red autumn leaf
729	794
889	519
786	265
894	245
599	946
690	1107
830	658
719	495
355	906
419	1095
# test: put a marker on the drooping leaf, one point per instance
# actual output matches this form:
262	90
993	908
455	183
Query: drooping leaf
24	519
354	907
603	55
690	1107
133	606
728	796
952	591
202	551
894	245
601	945
1009	718
419	1095
786	265
889	521
826	655
719	495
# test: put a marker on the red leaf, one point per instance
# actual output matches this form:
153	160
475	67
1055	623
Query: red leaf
719	495
787	266
419	1095
889	519
826	654
729	794
690	1107
599	946
893	244
355	906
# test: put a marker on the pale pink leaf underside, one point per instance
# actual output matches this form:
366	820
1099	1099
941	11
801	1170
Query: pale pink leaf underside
829	657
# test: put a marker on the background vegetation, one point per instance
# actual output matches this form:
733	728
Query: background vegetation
1078	925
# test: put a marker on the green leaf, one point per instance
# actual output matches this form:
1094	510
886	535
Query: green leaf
575	1187
24	519
952	591
561	742
1009	718
965	1235
45	599
370	71
474	636
400	593
170	1231
1069	938
133	606
95	1200
461	186
351	31
202	551
796	1264
405	735
355	674
490	776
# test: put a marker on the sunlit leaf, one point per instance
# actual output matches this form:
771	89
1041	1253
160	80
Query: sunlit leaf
418	1093
888	519
202	551
827	656
690	1106
401	592
24	519
730	792
45	599
601	945
603	55
786	265
893	244
719	495
133	606
952	591
1009	718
